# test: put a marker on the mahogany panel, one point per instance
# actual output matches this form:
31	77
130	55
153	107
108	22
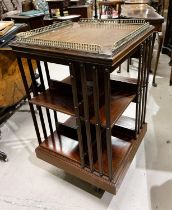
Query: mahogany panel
67	130
124	128
55	100
119	101
64	146
119	150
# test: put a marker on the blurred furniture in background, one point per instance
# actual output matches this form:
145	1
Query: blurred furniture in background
9	74
137	1
84	10
0	9
33	21
10	7
143	11
55	4
158	5
148	13
167	45
110	7
11	86
62	6
73	18
22	12
160	42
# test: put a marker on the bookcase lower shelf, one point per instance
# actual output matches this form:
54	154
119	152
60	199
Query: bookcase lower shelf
66	157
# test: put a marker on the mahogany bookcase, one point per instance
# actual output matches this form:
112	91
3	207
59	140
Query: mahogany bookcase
97	143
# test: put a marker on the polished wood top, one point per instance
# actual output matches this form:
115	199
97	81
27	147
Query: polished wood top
24	17
137	1
91	38
101	35
111	2
141	11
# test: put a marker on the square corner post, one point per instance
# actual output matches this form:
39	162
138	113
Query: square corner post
107	90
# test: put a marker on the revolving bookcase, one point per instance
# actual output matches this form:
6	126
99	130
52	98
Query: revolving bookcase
97	142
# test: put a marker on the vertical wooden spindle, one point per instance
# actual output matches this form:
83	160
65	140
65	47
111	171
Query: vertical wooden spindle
43	88
143	83
76	107
86	115
108	121
35	92
138	90
97	117
48	80
147	76
29	97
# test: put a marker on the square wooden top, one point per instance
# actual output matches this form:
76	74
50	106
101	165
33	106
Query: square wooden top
104	37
